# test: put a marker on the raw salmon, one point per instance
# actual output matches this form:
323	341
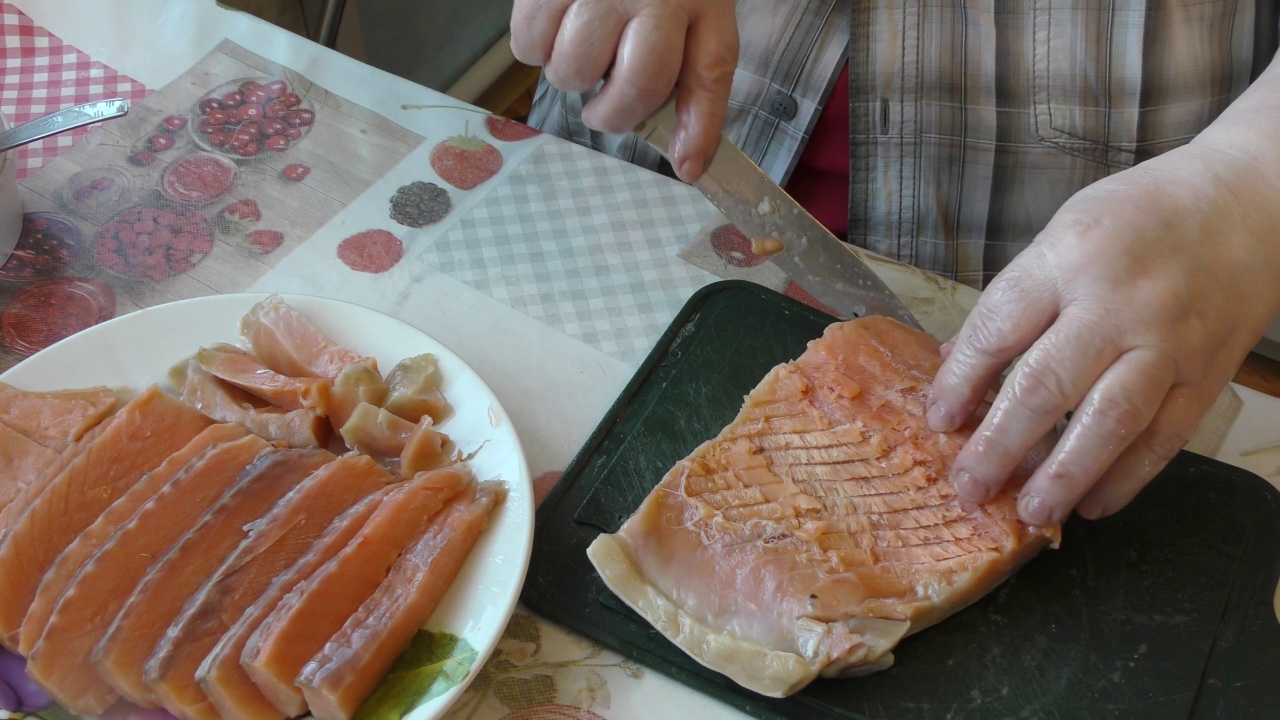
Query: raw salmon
61	659
414	389
356	658
314	610
174	577
145	432
424	449
274	544
238	367
228	686
55	582
226	403
291	345
58	418
22	460
31	489
819	527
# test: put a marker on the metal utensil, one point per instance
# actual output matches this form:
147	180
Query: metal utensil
61	121
798	244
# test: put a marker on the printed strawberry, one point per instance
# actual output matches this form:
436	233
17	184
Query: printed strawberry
265	241
733	247
241	210
464	161
508	130
796	292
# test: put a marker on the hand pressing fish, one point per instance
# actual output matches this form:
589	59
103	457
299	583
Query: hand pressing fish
818	528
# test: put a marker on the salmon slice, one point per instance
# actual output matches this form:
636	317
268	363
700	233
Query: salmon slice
819	527
64	569
228	686
274	544
146	431
424	449
291	345
316	609
236	366
22	460
158	599
61	659
414	389
55	419
31	489
226	403
356	658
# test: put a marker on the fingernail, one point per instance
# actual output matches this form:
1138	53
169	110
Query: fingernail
1035	510
691	169
968	487
938	417
945	350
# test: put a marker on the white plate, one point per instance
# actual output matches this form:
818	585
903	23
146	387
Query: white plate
138	349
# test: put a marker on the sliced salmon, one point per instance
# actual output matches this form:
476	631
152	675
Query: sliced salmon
240	368
315	609
145	432
59	576
414	389
22	460
58	418
226	403
228	686
339	677
819	527
291	345
31	489
274	544
425	449
158	599
60	660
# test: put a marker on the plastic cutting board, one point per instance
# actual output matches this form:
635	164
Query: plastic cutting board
1164	610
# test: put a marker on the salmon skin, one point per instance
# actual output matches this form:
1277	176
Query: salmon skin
143	433
347	669
122	653
819	527
274	543
314	610
61	658
228	686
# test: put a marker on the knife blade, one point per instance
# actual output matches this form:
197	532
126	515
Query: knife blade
803	249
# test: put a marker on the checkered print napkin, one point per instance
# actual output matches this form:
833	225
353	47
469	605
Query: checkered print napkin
43	74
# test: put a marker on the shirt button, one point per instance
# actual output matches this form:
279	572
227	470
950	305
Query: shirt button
783	107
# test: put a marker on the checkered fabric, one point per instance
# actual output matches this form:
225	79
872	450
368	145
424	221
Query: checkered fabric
617	296
42	74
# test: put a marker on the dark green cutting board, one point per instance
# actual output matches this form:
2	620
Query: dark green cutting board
1162	611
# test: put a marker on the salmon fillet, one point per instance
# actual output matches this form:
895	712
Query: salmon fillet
226	403
159	596
228	686
22	460
819	527
288	343
241	369
64	569
316	609
61	659
275	542
339	678
145	432
32	489
58	418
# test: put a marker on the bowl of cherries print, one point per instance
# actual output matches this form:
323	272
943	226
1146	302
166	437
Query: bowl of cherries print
251	117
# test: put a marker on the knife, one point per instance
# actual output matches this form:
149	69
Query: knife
797	243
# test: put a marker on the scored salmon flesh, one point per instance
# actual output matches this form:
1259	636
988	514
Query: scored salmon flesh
819	527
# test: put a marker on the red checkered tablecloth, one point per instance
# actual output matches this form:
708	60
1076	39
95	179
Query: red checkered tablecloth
41	74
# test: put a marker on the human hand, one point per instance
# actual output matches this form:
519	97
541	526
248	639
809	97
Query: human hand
1134	306
647	48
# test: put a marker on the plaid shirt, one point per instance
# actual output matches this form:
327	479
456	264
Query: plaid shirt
957	161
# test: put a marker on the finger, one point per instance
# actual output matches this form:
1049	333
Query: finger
644	72
1115	411
702	97
1053	377
585	45
1017	308
1169	431
534	24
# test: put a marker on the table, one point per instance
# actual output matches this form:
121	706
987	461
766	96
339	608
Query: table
564	265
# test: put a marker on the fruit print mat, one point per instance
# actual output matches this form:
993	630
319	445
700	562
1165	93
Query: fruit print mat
276	200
